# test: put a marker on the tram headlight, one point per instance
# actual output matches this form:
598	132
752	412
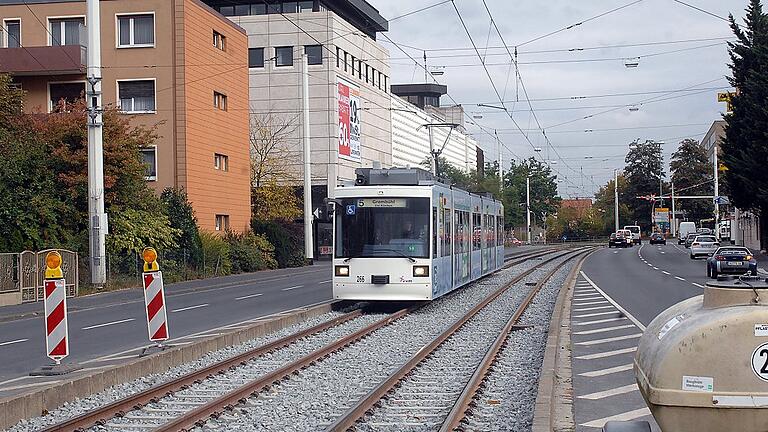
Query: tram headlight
341	271
420	271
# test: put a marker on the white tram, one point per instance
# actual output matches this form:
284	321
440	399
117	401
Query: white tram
401	235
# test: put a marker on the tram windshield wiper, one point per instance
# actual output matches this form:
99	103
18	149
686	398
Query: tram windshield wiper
404	255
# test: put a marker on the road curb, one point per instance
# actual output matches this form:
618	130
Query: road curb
42	400
553	410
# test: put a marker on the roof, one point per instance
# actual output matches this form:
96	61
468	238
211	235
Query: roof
419	89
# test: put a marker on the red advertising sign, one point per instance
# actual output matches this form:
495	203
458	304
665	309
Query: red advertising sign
349	121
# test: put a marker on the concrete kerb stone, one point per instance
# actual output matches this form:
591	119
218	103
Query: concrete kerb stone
41	400
553	410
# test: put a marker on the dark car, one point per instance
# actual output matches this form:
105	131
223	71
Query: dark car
658	238
619	240
690	238
612	241
733	260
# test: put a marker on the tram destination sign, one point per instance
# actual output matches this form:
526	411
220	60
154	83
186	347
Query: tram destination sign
383	202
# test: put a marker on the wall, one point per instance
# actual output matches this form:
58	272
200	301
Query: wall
209	130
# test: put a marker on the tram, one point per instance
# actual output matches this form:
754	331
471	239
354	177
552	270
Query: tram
401	235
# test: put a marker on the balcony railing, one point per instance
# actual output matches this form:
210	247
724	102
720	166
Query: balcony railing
44	60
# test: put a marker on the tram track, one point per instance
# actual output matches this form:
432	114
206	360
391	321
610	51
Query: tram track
435	388
212	400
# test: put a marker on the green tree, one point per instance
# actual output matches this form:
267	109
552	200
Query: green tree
189	247
692	175
643	172
452	174
744	151
605	205
544	198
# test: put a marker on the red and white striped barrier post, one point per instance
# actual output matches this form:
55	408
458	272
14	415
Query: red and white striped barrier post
56	329
154	298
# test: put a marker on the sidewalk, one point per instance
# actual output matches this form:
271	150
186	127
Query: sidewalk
28	310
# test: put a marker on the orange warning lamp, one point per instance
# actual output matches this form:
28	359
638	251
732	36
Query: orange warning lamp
150	259
53	266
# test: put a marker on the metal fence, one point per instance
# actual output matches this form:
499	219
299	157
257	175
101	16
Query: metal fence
24	272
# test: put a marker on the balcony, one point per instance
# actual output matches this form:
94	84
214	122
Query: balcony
44	60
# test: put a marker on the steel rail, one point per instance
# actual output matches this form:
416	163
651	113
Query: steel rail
463	404
137	400
359	410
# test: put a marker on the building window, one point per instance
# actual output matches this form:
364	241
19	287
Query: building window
149	158
284	56
290	7
219	41
66	31
136	31
227	10
354	60
220	101
432	101
385	83
314	54
221	162
360	69
367	72
222	222
258	9
346	55
380	80
136	96
63	95
306	6
241	10
255	57
12	34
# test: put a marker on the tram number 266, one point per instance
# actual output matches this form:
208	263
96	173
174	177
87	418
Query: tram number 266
361	279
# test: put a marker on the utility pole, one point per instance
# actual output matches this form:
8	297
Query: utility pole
672	227
432	146
717	186
308	216
528	206
97	218
616	198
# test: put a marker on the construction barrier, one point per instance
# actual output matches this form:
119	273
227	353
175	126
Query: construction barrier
154	298
55	291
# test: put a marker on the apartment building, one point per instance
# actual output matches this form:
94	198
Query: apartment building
177	65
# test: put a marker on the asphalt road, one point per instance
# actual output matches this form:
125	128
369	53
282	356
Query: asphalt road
619	292
110	328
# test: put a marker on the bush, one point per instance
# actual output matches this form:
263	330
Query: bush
250	252
189	250
287	239
216	255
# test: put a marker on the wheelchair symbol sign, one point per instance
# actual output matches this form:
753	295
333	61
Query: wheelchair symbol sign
351	210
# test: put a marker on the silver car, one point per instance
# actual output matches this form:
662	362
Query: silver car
703	245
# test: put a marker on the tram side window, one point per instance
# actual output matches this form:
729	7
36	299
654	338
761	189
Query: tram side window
435	230
446	246
462	230
500	237
477	230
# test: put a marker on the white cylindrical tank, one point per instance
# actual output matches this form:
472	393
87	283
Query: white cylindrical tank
702	365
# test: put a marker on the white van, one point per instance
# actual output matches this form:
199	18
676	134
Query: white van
635	230
683	230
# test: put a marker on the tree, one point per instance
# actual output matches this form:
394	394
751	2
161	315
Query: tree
181	215
273	173
544	198
451	174
605	205
643	172
691	175
743	148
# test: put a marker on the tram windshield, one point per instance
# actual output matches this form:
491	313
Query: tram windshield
382	228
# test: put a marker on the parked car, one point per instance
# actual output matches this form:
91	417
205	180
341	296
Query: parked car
635	230
658	238
704	245
689	239
683	230
731	259
516	242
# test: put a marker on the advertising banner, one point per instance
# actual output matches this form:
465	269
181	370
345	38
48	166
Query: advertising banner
348	96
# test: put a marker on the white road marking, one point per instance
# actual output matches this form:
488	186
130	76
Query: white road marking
593	308
190	307
24	386
698	285
22	378
325	282
607	297
665	272
679	278
200	336
608	371
762	271
612	339
591	303
13	342
663	252
627	416
113	358
604	330
612	392
596	314
649	264
109	324
595	296
655	268
293	287
599	321
607	354
249	296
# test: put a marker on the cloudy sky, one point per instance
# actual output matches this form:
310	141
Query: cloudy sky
573	73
